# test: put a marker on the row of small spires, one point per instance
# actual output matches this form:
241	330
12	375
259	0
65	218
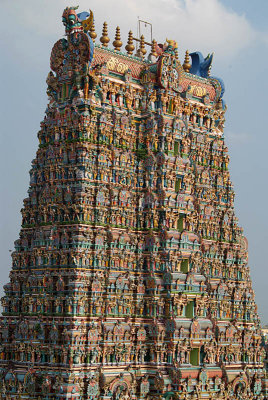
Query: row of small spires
117	43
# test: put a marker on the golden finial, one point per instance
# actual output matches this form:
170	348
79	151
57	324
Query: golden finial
130	46
187	64
92	32
142	51
117	41
105	38
154	53
176	54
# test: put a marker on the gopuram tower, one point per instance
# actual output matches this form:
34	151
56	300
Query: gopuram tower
130	277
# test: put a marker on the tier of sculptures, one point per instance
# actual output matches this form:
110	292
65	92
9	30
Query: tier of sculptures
130	276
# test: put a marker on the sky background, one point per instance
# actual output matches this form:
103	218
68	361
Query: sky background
235	30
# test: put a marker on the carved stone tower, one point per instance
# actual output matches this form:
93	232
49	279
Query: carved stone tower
130	277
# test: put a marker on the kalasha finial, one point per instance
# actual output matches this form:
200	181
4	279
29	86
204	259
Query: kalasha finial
187	64
117	42
130	46
142	51
105	38
153	51
92	32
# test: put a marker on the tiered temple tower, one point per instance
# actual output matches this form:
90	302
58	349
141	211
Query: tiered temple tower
130	277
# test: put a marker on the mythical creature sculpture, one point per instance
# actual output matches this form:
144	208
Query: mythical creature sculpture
72	57
201	65
75	23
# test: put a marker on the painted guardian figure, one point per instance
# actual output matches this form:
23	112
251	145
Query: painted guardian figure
129	278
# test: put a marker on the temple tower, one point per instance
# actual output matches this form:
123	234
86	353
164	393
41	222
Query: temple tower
130	278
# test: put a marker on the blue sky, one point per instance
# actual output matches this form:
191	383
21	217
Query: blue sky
237	32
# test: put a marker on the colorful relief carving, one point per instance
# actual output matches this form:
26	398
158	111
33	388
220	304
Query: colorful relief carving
130	277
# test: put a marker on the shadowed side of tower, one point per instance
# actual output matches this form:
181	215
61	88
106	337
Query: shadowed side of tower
130	276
